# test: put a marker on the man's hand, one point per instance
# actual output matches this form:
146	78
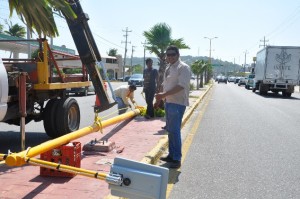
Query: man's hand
159	96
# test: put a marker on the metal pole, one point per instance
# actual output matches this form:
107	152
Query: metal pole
18	159
210	46
22	105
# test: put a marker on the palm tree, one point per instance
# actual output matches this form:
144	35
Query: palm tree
158	39
15	30
39	15
1	28
198	68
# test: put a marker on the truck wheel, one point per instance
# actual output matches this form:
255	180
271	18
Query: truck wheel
262	89
67	117
49	118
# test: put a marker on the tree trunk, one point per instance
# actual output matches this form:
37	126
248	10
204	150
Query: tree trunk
198	82
201	80
161	72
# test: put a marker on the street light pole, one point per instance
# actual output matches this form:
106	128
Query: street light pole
210	38
210	46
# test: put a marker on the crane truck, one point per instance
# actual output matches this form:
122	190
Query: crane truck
30	91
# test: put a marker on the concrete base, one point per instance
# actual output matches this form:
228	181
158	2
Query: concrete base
99	146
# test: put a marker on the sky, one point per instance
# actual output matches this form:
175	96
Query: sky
239	25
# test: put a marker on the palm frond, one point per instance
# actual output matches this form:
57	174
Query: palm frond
38	14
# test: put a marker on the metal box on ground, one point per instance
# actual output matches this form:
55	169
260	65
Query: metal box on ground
69	154
144	181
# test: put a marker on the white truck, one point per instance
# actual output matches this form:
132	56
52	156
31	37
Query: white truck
277	69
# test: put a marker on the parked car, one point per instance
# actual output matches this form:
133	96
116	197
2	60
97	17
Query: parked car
81	90
237	79
218	77
84	91
231	79
222	79
136	79
243	81
250	81
125	79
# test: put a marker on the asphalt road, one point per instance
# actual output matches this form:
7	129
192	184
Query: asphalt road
10	138
246	146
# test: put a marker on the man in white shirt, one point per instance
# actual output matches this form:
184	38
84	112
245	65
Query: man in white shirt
123	93
176	87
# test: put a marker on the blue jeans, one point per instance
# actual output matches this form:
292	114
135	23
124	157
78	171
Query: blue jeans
174	114
121	105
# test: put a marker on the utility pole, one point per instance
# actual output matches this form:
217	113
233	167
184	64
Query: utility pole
126	36
144	54
132	50
264	42
246	52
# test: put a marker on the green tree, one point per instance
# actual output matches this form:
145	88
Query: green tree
158	39
137	68
39	15
1	28
113	52
15	30
198	68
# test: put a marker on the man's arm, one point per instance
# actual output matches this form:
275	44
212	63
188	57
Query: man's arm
163	95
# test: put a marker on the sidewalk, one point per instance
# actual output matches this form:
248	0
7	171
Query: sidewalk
141	140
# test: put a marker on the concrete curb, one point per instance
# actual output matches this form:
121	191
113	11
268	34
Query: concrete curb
153	156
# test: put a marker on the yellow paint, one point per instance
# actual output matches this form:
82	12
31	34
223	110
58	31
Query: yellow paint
18	159
42	67
53	86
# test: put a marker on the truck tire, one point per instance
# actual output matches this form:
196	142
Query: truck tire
262	89
49	118
67	116
286	94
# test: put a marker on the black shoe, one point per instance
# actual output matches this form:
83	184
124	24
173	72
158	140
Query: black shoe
175	164
167	159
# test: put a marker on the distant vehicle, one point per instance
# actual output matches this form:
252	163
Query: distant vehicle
277	70
222	79
218	77
250	81
231	79
125	79
136	79
243	81
237	79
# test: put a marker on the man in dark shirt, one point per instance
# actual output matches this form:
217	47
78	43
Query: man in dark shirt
150	84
